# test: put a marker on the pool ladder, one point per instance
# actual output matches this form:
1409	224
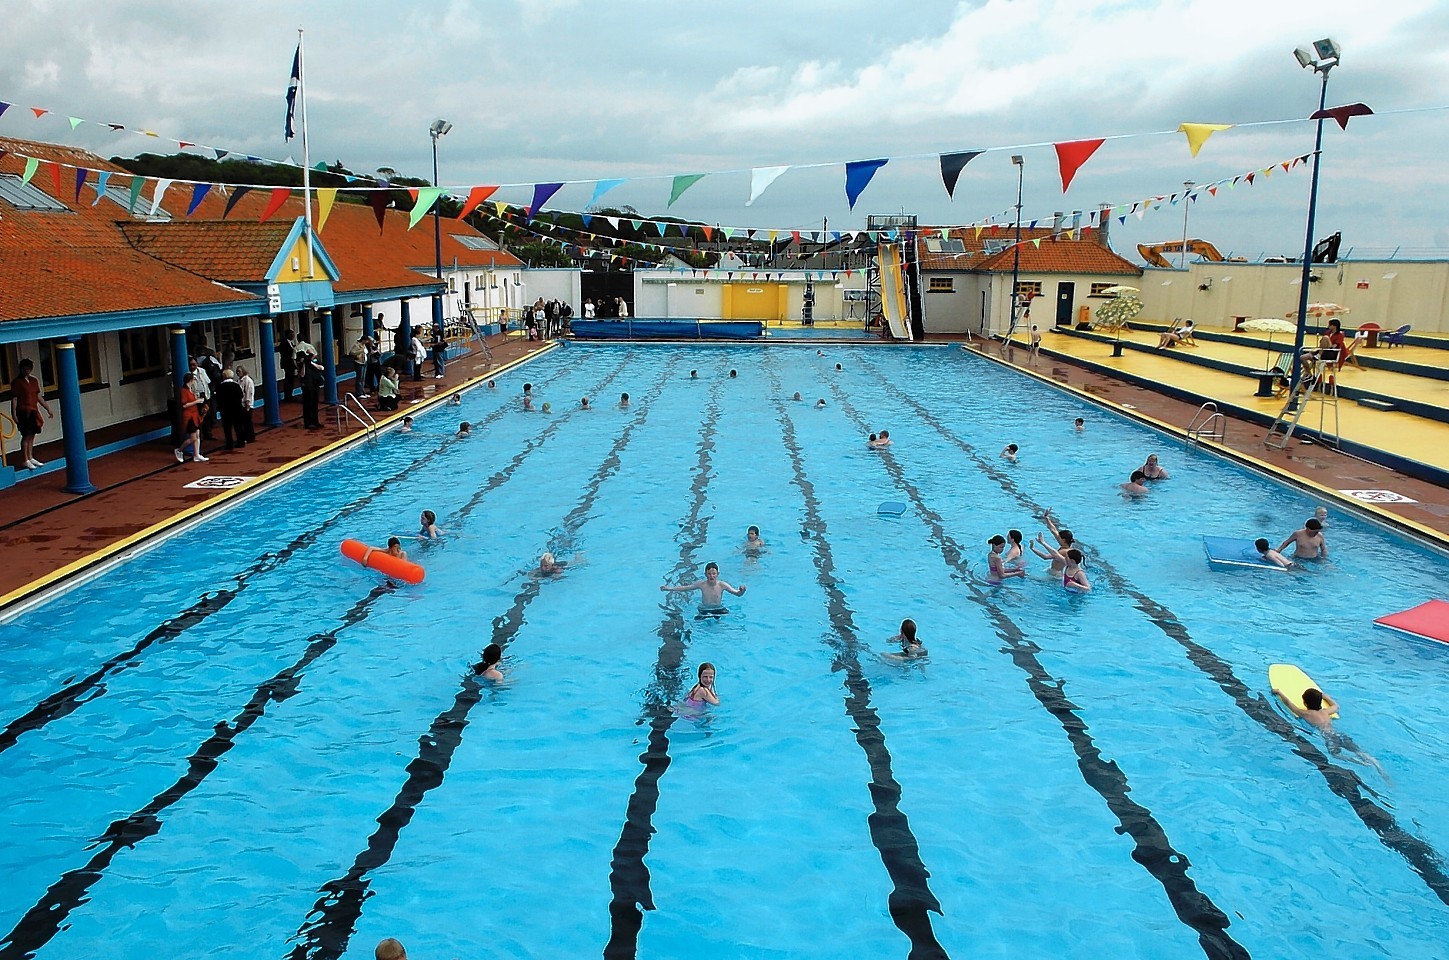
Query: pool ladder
361	415
1207	424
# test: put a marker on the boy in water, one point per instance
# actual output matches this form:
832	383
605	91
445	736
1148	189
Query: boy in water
711	589
1008	452
1266	551
1308	543
1318	709
754	546
394	548
1135	487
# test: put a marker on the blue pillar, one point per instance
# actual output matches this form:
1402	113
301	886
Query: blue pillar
180	358
328	349
267	362
402	341
438	313
369	328
72	421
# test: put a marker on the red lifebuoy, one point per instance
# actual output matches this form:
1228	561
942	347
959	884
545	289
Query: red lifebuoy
376	558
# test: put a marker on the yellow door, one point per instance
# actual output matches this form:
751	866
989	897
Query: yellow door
752	301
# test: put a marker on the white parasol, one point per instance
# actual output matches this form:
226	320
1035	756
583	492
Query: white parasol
1270	326
1319	310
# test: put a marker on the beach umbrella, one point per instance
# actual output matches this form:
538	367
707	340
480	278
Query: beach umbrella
1319	310
1120	290
1270	326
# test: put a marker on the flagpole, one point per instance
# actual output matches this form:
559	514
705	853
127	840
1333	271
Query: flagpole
306	159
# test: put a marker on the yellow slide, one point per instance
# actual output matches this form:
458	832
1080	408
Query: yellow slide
893	291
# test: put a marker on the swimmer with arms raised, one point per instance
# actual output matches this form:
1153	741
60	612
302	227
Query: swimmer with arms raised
1073	576
711	589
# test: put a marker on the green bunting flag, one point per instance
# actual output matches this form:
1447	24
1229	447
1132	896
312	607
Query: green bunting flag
681	184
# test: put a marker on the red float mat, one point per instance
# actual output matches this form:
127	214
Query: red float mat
1429	620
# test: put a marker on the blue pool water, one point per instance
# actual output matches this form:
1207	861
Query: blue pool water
238	745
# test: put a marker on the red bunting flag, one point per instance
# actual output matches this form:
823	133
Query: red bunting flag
54	175
1342	114
279	197
1072	155
1249	178
475	196
38	112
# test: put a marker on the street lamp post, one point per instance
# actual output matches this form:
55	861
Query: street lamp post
1020	165
1323	58
1186	199
439	128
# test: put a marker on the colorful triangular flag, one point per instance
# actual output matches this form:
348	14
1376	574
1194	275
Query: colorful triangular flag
1071	156
760	180
951	167
858	174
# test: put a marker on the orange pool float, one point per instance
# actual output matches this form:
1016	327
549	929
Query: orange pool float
377	558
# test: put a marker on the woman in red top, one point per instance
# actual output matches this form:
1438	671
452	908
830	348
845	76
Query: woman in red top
1335	339
25	403
190	421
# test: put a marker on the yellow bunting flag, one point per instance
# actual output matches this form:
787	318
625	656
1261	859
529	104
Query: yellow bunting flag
325	197
1198	133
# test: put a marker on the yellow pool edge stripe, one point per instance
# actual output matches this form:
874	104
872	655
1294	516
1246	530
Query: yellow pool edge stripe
1392	519
108	552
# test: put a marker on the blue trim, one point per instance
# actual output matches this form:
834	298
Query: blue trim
319	252
76	325
651	329
386	295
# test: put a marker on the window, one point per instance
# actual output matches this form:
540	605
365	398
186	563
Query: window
143	353
945	246
942	285
473	242
1028	288
87	366
236	329
9	368
27	196
121	197
1100	289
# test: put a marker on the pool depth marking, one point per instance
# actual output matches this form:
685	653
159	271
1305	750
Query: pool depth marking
628	874
1343	782
325	934
911	901
48	917
73	696
1151	846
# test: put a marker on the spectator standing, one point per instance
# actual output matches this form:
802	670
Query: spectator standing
312	375
440	353
287	349
25	403
588	309
229	405
374	367
191	409
623	309
249	400
202	389
358	356
417	353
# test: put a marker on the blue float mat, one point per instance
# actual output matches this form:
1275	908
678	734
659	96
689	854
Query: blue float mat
891	508
1225	552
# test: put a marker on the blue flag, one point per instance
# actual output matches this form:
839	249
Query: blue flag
292	86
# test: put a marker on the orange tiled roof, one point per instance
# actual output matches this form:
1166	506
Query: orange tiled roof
1062	255
233	250
77	262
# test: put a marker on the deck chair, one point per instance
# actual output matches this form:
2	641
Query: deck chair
1397	338
1350	350
1282	373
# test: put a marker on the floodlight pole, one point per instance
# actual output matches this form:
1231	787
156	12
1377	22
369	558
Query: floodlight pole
438	129
1020	165
1298	336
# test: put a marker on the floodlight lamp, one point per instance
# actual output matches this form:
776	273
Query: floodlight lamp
439	128
1017	160
1305	59
1328	51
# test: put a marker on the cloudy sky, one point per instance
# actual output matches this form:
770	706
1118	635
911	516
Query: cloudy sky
550	90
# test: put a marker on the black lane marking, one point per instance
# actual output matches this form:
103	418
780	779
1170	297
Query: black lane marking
74	695
1422	857
628	873
328	928
1151	846
911	901
48	917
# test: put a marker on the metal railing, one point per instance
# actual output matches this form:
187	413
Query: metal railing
364	419
7	430
1207	424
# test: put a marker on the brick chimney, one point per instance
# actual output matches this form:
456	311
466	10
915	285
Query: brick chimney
1057	224
1104	221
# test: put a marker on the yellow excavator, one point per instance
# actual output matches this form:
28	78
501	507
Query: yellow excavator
1153	252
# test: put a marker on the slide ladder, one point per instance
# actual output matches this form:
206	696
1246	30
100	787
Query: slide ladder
893	292
1318	384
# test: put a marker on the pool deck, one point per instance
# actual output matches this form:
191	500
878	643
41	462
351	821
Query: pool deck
48	534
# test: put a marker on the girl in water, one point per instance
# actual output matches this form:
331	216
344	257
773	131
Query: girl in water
1015	557
911	646
703	691
429	529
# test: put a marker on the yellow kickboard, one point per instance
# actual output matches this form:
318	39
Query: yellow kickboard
1290	682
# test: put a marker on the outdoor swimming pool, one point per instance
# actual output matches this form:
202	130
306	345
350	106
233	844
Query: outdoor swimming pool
238	745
